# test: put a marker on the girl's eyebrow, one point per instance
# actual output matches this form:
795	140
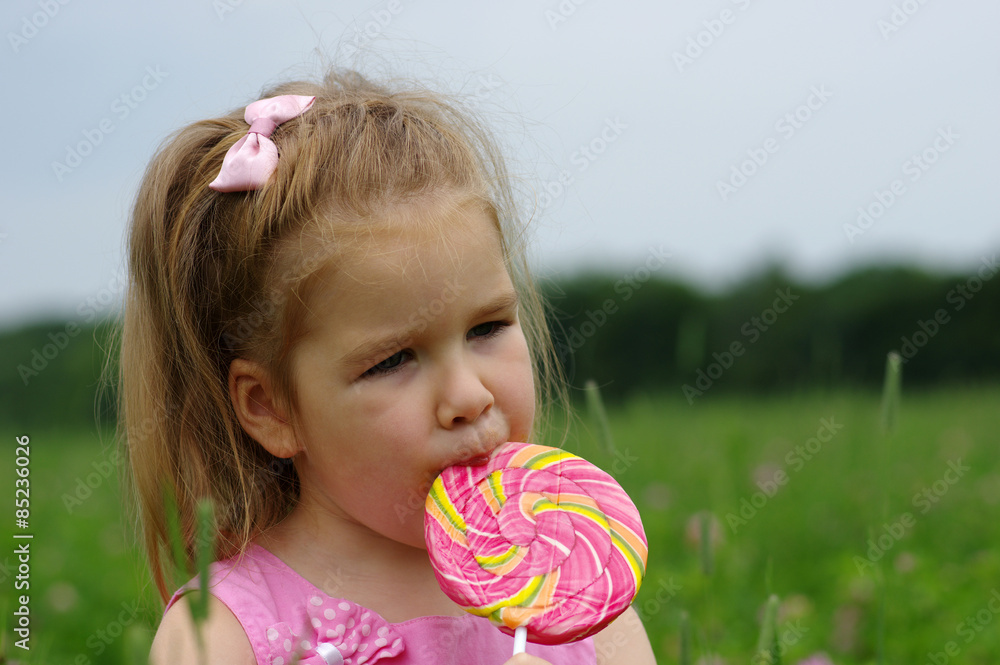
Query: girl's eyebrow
372	351
504	301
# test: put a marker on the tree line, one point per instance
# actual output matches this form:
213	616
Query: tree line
772	333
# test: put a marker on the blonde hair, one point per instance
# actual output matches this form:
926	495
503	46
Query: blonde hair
220	276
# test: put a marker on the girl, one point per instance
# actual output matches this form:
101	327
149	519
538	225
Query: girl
329	305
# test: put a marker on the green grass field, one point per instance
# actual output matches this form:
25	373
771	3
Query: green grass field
790	491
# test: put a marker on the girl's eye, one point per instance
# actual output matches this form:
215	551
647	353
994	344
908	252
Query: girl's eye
398	359
388	365
487	329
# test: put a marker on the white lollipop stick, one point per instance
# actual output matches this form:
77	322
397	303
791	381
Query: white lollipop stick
520	639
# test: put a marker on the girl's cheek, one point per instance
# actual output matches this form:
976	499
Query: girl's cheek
374	394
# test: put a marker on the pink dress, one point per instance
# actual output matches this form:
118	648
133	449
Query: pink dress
285	616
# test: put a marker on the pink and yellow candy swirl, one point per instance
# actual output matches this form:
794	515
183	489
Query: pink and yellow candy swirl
538	537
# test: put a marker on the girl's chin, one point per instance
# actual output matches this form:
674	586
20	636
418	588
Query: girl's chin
416	538
410	534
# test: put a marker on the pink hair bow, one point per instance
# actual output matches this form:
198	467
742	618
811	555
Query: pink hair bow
253	159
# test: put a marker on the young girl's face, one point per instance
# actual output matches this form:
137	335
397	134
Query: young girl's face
413	360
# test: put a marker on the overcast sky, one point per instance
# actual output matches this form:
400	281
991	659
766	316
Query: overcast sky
729	133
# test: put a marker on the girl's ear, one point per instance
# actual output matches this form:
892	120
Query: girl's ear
259	411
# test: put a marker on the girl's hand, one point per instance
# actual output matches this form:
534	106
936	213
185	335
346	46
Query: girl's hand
525	659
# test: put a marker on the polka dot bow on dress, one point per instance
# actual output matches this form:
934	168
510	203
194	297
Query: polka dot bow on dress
338	633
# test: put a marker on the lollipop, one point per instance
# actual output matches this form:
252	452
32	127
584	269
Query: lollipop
537	539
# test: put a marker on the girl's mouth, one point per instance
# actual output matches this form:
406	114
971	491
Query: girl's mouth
478	460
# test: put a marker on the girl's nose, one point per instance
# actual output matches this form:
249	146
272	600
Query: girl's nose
463	396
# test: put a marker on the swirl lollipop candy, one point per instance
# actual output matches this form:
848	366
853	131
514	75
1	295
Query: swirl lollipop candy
537	539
